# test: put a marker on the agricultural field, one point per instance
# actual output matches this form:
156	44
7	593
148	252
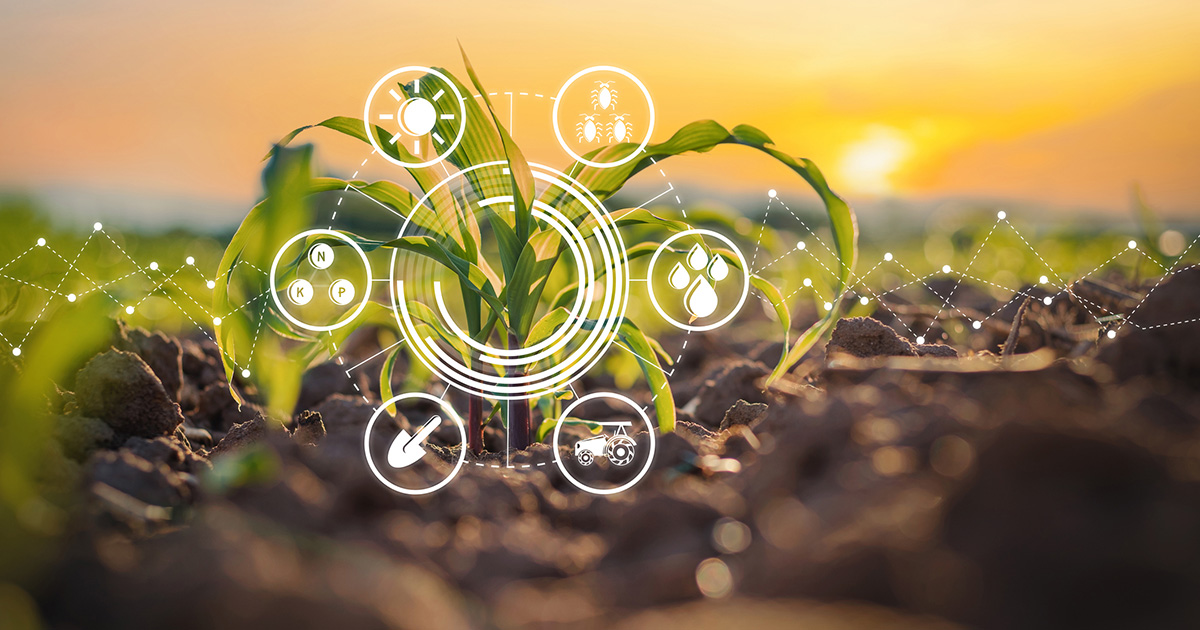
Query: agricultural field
880	481
536	354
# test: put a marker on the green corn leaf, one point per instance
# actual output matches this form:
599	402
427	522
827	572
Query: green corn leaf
519	173
283	211
775	297
705	135
547	325
632	338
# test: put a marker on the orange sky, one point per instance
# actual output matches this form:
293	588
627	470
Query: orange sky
1066	103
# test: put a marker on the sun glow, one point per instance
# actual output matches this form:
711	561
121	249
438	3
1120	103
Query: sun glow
868	165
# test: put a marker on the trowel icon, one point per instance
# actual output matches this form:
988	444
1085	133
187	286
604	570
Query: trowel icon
406	449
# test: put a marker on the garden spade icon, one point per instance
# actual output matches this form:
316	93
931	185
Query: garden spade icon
407	450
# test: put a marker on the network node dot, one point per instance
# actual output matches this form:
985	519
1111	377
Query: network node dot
945	268
245	373
801	245
887	256
1132	244
41	242
864	300
97	226
190	260
976	325
71	297
16	352
211	284
808	282
1001	215
829	306
1047	300
129	310
154	266
771	193
1043	280
920	340
1112	334
216	321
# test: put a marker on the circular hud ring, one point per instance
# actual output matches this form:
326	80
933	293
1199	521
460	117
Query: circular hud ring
458	255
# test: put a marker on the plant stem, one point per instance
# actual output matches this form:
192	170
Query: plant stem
520	419
475	424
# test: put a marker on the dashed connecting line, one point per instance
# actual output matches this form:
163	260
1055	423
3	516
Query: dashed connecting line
670	188
857	283
128	307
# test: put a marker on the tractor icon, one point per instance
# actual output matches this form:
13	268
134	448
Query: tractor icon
618	448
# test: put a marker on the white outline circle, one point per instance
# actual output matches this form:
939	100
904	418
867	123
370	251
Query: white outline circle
650	430
599	340
462	114
362	303
462	455
745	279
558	132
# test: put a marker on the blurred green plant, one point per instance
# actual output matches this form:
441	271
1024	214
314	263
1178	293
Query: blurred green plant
503	303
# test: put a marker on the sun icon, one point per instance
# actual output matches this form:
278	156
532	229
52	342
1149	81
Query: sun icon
418	117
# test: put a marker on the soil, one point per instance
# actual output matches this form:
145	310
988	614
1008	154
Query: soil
886	485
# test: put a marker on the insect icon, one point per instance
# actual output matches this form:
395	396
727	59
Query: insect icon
618	129
604	95
587	130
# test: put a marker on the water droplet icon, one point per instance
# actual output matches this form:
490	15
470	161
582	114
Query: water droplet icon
696	258
701	299
719	269
678	278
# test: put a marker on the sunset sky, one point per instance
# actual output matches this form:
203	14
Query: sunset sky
1066	104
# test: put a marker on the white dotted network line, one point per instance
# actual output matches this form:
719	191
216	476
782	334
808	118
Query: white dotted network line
858	283
129	307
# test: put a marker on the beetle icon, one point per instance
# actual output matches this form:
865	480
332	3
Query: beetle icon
619	448
604	95
586	129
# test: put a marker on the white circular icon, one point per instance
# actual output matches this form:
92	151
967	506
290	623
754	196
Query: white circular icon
341	292
695	278
300	291
320	256
415	116
593	313
309	289
614	442
607	120
405	450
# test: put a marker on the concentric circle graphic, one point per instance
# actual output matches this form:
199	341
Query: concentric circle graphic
491	338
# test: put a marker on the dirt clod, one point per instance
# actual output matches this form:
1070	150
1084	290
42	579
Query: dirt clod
743	413
936	350
867	337
241	435
162	353
79	436
149	482
119	388
309	428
